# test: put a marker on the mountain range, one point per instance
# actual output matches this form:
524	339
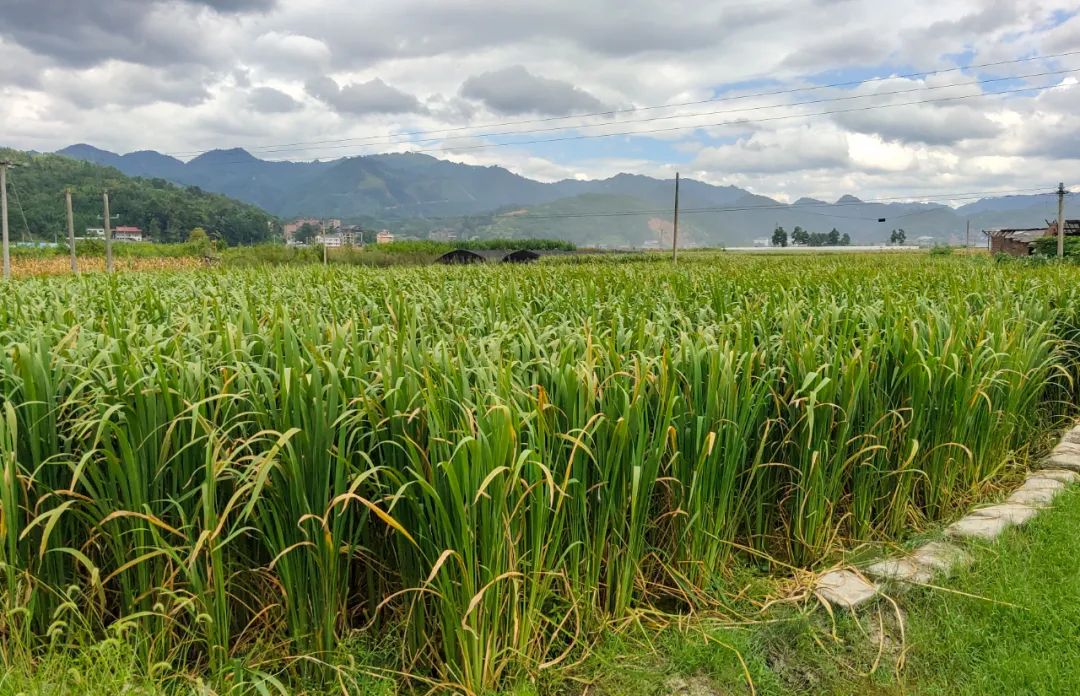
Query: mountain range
417	194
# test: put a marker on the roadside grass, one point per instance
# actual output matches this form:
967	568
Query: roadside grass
1007	624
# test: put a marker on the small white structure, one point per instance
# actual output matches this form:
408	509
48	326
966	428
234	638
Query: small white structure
762	242
329	240
384	237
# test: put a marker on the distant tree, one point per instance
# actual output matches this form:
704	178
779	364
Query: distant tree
306	233
779	237
898	237
845	239
800	236
834	237
199	239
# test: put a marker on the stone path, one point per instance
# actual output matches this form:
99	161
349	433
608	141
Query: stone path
848	588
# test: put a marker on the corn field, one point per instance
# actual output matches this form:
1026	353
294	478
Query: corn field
486	465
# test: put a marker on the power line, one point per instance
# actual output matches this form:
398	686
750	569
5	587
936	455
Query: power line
22	212
669	117
736	122
613	112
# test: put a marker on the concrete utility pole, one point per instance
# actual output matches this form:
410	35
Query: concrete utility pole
71	231
675	230
1061	220
3	218
967	238
108	235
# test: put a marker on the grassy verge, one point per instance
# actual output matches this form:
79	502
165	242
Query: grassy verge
1007	624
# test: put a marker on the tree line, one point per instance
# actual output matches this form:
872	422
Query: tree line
801	237
164	211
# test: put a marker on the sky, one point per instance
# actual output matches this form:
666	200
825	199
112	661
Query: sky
724	85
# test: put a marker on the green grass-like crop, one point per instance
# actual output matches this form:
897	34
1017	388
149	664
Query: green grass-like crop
488	464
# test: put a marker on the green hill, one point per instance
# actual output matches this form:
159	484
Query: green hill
164	211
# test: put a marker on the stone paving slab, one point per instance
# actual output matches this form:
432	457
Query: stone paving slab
1063	475
976	527
1062	461
1063	447
1036	492
941	556
1010	512
900	570
845	588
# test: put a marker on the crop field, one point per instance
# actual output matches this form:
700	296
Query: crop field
26	266
243	473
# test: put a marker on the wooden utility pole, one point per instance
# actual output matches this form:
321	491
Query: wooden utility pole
71	231
1061	220
675	228
3	218
108	235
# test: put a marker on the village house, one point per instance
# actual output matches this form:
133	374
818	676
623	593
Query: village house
126	233
1016	241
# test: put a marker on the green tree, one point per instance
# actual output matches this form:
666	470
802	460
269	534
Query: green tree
306	233
898	237
800	236
845	239
834	237
164	210
779	237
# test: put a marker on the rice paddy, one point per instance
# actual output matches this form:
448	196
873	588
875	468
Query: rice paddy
244	472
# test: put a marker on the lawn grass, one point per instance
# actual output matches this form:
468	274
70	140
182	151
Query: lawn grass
1007	624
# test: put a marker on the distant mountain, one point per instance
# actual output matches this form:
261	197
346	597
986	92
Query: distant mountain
416	194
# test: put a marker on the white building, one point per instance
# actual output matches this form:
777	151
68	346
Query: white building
329	240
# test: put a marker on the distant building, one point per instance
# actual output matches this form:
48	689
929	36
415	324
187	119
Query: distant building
127	234
95	233
1020	241
329	240
762	242
384	237
443	234
291	228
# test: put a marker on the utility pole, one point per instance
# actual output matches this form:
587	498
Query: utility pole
1061	220
71	231
108	235
3	217
675	229
967	238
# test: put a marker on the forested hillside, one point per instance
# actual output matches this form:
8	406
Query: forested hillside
164	211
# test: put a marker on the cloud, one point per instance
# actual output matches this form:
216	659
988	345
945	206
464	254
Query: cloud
117	83
268	100
290	54
371	97
183	75
789	150
515	90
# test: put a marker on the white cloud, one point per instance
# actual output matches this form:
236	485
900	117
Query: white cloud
184	75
